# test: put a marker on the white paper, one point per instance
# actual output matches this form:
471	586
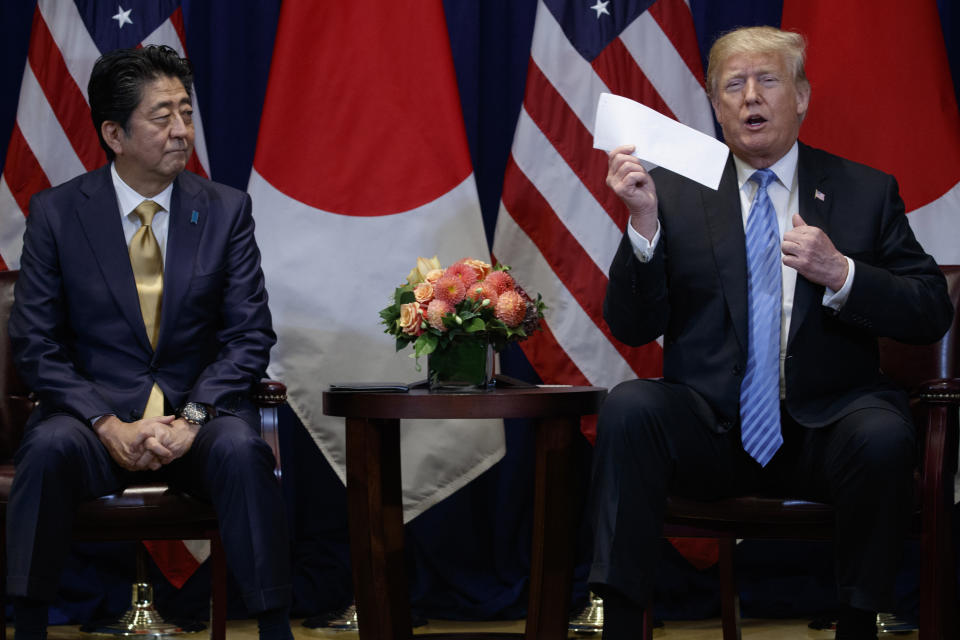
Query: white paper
659	139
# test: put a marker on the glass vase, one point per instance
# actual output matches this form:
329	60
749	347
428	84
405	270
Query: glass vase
465	365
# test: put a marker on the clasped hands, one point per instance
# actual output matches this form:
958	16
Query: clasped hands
146	444
805	248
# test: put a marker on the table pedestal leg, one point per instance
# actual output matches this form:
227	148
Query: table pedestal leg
557	500
375	512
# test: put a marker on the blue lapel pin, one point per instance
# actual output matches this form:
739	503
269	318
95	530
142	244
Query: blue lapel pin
194	217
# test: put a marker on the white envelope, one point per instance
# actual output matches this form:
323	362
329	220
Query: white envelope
659	139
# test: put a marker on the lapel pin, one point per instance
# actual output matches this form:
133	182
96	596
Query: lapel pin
196	215
816	194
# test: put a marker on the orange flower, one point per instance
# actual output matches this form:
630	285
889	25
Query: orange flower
479	266
435	312
511	308
450	288
410	319
501	280
482	290
423	292
433	275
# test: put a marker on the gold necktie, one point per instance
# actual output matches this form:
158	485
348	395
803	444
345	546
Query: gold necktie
147	263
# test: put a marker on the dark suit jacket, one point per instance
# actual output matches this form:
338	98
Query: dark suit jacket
76	329
693	292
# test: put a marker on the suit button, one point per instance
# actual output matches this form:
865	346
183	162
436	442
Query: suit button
738	369
136	414
725	425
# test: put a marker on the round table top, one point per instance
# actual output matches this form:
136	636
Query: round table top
510	402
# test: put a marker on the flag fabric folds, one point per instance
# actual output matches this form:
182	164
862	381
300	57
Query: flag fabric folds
53	139
362	165
559	225
891	107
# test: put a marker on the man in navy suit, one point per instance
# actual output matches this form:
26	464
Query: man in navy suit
127	386
845	269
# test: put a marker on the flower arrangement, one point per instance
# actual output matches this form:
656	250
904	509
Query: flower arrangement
470	299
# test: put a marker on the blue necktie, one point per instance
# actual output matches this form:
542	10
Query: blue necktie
760	390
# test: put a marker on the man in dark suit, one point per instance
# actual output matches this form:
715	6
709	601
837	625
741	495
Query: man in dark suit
770	293
141	321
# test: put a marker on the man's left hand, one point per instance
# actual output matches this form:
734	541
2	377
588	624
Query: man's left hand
808	250
177	438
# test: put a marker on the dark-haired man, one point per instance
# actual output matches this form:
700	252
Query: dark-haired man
770	293
141	321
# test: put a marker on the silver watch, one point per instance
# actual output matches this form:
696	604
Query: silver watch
195	413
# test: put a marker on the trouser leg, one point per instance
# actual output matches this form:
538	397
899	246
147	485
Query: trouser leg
653	438
60	463
230	465
864	465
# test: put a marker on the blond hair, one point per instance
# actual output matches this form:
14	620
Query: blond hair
790	45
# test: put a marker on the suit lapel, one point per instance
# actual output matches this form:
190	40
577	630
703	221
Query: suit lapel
725	225
814	199
99	217
188	215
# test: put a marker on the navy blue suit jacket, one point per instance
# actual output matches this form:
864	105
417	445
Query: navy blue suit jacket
76	329
694	292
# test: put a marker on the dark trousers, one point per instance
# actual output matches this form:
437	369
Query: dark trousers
61	462
654	439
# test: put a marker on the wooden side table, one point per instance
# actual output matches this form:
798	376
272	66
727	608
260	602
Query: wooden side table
375	507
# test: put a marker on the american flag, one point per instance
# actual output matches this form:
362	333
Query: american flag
559	225
54	140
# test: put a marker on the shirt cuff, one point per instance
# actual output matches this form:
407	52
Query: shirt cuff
836	299
643	248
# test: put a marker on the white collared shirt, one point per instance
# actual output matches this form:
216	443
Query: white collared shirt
128	200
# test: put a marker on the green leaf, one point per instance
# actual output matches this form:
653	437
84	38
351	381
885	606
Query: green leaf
474	325
425	344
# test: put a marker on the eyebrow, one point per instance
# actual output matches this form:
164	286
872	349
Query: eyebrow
169	104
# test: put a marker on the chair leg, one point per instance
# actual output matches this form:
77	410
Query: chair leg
218	589
729	595
647	631
3	578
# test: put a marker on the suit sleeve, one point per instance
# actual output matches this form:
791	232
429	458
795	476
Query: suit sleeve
899	292
245	333
636	306
39	327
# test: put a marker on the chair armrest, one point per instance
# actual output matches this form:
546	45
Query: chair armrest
938	428
269	395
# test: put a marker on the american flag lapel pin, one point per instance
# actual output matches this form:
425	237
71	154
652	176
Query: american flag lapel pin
816	194
196	215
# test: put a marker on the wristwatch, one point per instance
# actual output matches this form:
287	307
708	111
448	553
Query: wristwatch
195	413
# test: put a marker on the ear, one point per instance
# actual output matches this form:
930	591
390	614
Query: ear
803	100
113	135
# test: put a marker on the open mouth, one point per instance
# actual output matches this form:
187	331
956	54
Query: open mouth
755	121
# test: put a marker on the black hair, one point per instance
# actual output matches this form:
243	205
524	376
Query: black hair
117	80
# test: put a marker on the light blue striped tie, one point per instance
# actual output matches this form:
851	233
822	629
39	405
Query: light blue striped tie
760	390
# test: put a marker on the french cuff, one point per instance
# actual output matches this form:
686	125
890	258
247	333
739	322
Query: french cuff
836	299
643	248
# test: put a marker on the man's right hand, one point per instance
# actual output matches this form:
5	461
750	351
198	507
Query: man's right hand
634	186
134	445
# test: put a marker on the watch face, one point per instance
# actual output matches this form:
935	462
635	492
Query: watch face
195	413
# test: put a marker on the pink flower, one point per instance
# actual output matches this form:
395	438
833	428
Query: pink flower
501	280
435	312
423	292
511	308
450	288
466	273
482	290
